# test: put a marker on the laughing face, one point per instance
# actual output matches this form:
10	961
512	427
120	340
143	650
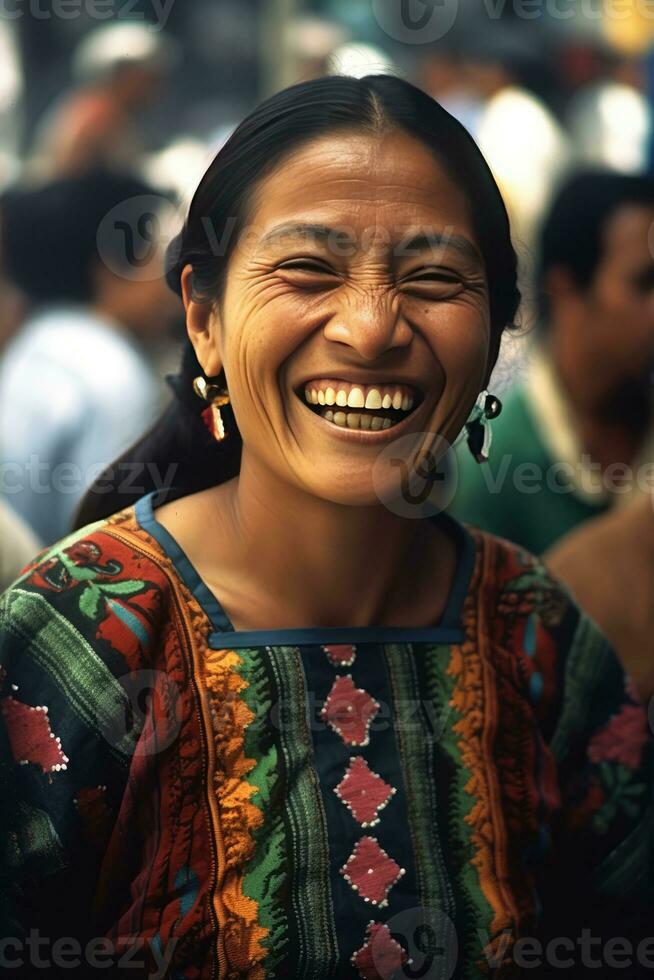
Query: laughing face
355	311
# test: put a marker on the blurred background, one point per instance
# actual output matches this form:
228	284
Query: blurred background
107	102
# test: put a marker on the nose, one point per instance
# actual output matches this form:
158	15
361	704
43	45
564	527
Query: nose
370	322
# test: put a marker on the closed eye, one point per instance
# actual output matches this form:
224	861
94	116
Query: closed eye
305	265
434	275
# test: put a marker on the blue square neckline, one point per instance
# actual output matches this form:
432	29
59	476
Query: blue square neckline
448	630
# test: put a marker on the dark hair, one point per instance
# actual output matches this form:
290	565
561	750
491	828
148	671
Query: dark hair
50	232
219	209
572	234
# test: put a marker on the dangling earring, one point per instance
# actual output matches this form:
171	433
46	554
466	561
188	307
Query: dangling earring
486	407
217	397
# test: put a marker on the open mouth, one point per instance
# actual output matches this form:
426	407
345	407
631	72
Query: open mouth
357	406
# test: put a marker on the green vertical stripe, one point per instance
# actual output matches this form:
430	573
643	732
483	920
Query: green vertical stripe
310	893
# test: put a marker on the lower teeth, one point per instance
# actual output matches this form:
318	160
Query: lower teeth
357	420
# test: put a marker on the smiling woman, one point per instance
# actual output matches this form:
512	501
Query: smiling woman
379	743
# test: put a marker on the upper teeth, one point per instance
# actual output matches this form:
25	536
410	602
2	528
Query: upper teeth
358	396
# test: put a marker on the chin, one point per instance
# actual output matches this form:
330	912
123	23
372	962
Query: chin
348	493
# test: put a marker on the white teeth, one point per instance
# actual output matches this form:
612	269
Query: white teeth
329	415
374	399
353	420
376	422
355	399
340	418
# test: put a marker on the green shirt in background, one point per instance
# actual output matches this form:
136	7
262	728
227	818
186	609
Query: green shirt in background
522	493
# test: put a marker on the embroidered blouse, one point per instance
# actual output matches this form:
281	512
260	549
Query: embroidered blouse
351	803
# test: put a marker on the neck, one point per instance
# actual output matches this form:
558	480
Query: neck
611	417
329	564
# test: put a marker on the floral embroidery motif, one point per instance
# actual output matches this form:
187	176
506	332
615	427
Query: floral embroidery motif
381	956
363	792
350	711
30	735
371	872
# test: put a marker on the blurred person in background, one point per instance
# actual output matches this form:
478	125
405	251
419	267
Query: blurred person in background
77	384
492	81
584	409
18	545
608	563
119	70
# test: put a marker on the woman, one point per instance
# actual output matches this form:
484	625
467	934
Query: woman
270	723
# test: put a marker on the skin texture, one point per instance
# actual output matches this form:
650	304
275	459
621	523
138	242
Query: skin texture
602	339
301	538
609	565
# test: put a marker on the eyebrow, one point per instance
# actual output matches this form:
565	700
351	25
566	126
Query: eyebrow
421	241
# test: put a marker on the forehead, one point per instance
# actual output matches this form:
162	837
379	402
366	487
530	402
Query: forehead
629	234
390	180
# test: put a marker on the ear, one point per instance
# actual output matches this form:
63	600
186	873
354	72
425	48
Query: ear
202	326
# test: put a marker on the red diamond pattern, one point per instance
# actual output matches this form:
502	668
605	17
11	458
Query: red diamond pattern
30	736
363	792
371	872
341	654
349	710
381	956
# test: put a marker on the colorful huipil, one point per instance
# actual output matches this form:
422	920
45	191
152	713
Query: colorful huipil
367	802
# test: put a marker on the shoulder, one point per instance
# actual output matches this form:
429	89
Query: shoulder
536	629
74	340
100	596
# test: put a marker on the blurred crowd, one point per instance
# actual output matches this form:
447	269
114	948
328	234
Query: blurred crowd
93	191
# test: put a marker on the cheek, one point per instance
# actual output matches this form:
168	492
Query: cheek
461	343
